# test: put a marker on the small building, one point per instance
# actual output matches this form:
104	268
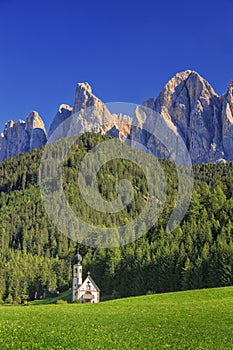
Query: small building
86	291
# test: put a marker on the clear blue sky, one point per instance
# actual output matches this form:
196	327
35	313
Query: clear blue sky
127	50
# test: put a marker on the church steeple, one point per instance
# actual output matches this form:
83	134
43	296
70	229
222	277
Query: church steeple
77	274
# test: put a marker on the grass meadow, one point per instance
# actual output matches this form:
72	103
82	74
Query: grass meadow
201	319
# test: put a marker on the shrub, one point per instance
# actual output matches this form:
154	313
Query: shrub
77	301
9	299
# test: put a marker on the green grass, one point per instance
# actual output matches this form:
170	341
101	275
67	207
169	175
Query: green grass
52	300
184	320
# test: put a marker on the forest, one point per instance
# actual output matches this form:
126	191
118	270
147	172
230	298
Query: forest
35	256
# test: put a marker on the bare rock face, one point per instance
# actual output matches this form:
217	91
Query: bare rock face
35	129
188	107
227	122
192	106
22	136
64	112
84	98
91	115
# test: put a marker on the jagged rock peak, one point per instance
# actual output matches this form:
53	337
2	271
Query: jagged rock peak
64	106
63	113
22	136
231	84
84	86
189	103
229	92
9	124
192	80
84	97
34	121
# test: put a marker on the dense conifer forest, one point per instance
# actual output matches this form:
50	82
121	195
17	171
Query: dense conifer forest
35	256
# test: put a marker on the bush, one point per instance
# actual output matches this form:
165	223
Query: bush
77	301
62	301
9	299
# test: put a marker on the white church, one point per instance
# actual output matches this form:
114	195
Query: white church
86	291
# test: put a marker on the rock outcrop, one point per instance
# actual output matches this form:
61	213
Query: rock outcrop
90	114
22	136
64	112
188	106
227	123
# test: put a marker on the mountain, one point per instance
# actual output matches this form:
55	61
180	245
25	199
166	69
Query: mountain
199	115
189	107
22	136
63	113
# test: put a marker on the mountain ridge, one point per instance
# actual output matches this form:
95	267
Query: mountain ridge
187	103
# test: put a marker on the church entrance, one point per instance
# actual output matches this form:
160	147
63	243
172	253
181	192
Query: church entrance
87	297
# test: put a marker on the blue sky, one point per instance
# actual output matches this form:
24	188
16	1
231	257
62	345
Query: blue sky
127	50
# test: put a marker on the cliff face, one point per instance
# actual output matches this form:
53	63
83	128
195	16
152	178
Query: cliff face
203	119
63	113
227	122
90	114
189	107
22	136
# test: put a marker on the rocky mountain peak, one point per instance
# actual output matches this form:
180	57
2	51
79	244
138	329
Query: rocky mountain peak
187	84
84	97
20	137
188	104
63	113
63	107
229	92
84	86
227	121
34	121
9	124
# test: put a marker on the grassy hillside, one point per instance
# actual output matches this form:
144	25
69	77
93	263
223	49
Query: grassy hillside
66	296
199	319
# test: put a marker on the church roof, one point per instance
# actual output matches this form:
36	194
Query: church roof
88	278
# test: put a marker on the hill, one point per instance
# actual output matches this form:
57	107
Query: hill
35	255
200	319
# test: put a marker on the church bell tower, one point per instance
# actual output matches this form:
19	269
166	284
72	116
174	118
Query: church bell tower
77	275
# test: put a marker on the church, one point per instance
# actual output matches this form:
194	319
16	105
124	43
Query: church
86	291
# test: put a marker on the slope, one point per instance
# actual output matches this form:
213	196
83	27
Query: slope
183	320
